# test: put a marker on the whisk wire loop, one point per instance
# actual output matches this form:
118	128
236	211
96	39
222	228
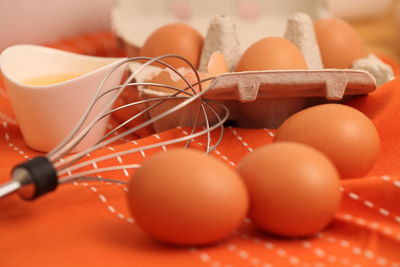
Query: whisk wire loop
66	145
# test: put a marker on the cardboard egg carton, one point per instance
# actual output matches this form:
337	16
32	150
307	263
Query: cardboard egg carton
266	98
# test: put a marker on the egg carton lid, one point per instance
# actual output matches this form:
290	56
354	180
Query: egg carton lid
247	86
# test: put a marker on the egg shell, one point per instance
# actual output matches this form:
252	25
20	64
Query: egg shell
169	78
185	197
176	38
294	189
272	53
339	43
343	133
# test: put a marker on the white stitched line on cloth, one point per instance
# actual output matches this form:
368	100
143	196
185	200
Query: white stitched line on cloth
354	249
94	165
371	205
269	132
270	246
246	256
140	151
69	173
386	178
224	157
125	171
10	144
104	200
164	148
244	143
206	258
230	162
322	254
396	183
8	118
370	224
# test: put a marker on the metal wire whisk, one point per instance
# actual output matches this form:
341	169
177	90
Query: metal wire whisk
43	174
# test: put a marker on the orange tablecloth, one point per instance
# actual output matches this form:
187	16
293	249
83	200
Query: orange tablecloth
88	224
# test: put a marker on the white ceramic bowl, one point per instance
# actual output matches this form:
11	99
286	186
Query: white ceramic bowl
46	113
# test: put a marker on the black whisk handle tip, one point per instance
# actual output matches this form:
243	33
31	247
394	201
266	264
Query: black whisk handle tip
36	177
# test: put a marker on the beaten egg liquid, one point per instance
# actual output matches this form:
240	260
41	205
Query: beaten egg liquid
51	79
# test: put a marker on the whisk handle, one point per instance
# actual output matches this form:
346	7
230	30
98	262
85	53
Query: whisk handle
36	177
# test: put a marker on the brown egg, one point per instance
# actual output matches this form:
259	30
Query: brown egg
272	53
343	133
294	189
186	197
339	43
177	38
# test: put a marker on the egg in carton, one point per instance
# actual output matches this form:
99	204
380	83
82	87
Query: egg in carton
266	98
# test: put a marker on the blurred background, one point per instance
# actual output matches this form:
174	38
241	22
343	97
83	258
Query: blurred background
34	21
381	33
